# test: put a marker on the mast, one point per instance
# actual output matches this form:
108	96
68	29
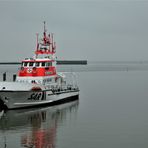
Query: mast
44	34
47	44
53	44
44	26
37	41
37	44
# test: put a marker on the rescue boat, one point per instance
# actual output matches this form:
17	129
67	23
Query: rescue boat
38	83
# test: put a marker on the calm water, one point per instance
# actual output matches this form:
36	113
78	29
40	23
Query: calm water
112	112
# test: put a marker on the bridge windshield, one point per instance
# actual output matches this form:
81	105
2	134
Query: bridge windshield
36	64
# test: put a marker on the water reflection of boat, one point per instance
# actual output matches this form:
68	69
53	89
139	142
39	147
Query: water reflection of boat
39	126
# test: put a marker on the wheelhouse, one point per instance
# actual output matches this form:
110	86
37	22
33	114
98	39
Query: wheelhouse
36	64
37	68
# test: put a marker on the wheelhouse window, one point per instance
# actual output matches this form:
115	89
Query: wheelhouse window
31	63
43	64
25	64
37	64
48	64
40	64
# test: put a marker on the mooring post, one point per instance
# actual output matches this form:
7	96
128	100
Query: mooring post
4	76
14	77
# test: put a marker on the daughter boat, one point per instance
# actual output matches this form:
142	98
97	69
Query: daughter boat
38	82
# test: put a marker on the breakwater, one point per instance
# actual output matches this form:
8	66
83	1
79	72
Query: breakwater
59	62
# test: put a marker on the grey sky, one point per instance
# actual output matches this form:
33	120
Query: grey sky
92	30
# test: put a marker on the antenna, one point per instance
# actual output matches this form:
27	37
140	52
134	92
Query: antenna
44	34
37	42
52	40
44	26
